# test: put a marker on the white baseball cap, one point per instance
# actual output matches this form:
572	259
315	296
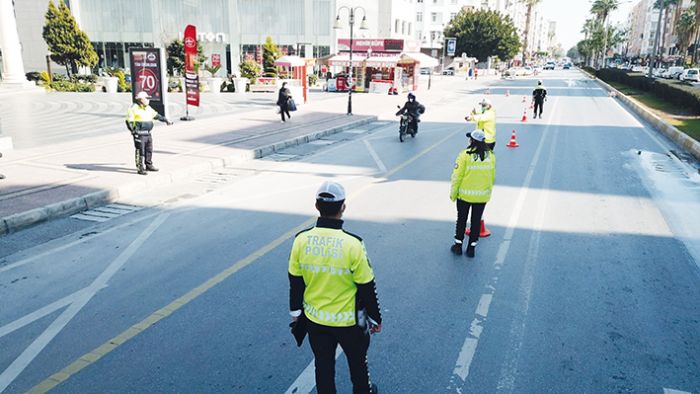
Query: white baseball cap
142	95
477	135
330	192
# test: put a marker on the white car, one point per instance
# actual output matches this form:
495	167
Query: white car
672	72
690	75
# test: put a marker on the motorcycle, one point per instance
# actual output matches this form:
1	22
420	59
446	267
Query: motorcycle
405	126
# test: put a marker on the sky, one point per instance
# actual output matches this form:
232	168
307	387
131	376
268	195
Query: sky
570	15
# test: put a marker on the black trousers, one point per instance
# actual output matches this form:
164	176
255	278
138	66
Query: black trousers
144	149
463	208
539	104
354	341
284	109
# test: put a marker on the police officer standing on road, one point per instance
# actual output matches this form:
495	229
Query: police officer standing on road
472	182
139	120
486	121
539	95
331	279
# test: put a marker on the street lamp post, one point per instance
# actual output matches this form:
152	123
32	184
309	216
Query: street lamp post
363	26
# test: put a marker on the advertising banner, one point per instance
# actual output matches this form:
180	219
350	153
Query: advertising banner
451	46
191	77
215	60
148	75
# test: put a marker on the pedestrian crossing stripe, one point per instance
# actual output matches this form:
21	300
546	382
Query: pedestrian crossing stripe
102	214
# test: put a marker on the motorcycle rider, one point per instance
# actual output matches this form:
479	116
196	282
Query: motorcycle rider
486	121
414	109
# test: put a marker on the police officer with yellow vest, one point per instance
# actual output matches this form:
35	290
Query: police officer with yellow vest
486	121
139	120
332	288
472	181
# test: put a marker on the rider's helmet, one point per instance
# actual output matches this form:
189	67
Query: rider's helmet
539	82
411	96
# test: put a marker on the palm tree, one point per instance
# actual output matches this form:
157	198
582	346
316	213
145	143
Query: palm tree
686	27
662	6
697	33
530	7
602	9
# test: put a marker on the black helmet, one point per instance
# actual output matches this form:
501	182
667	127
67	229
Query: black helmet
411	96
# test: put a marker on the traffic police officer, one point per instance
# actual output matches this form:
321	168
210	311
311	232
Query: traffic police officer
472	181
486	121
539	95
332	287
139	120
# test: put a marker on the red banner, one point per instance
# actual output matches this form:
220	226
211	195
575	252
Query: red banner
191	77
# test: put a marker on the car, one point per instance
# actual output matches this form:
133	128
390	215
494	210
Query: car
549	66
658	72
690	75
448	71
527	70
425	71
673	72
567	66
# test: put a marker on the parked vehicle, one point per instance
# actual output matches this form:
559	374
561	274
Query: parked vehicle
448	71
425	71
549	66
567	66
690	75
658	72
672	72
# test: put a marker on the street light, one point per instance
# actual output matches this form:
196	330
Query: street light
363	26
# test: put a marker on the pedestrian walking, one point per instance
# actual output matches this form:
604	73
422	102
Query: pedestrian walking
486	121
283	98
333	293
539	96
476	73
472	182
139	120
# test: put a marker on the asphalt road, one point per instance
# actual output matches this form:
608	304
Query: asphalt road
588	284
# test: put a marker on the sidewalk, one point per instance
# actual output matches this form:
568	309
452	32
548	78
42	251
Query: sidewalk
59	180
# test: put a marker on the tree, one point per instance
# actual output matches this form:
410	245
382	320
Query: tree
686	26
270	54
69	46
175	62
249	69
483	34
574	54
602	9
530	8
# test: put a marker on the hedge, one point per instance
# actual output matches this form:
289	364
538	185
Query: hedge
684	96
67	86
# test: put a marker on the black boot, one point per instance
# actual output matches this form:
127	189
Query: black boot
471	249
456	249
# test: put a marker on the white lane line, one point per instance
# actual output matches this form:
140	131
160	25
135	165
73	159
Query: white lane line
375	156
306	382
471	342
511	363
484	304
40	313
31	352
672	391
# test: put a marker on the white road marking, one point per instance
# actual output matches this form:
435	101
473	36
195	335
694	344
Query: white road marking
471	342
306	382
31	352
40	313
510	367
672	391
375	156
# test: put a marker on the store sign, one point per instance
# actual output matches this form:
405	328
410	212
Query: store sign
212	37
148	76
451	46
191	77
375	45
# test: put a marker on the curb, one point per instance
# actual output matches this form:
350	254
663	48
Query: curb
72	206
684	141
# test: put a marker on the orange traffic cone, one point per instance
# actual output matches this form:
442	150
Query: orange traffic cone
483	233
524	119
513	142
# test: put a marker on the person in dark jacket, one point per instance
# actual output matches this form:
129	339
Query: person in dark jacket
283	98
539	96
413	108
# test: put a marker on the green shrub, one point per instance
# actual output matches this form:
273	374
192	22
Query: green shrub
249	69
90	78
68	86
683	96
45	78
313	78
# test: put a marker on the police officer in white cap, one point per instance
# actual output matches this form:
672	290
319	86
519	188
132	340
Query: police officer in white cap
485	120
332	292
139	120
